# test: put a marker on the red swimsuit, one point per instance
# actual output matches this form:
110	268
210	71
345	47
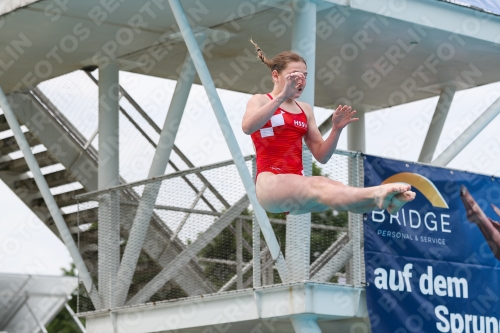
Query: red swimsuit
278	144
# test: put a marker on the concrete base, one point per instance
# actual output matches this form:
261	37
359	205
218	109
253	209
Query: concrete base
267	309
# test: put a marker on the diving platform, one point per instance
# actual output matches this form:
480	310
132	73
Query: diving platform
336	308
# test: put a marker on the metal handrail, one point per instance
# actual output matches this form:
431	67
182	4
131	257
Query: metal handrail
164	177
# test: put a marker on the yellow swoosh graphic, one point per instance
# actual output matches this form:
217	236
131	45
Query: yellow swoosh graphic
421	183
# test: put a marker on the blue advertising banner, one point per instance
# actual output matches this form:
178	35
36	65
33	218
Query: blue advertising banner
428	269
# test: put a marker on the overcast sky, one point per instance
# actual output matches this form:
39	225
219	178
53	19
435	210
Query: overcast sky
27	246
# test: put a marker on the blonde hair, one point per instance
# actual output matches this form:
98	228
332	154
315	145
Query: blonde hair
280	61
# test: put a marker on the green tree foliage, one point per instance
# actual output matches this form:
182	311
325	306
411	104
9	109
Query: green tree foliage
63	322
224	245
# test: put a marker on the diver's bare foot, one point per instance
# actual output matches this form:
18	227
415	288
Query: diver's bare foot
386	192
399	200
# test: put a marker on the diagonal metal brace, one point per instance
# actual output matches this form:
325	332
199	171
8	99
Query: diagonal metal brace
190	252
208	83
335	264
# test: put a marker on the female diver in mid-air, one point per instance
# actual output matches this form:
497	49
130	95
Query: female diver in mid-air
277	123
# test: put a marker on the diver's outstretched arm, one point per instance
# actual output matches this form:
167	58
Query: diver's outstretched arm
489	228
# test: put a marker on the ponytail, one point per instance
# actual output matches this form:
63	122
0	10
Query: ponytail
279	62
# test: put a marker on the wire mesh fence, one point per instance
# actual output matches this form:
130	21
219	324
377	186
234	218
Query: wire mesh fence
179	239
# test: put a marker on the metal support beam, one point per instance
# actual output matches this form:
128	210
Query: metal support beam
304	42
12	301
234	279
256	273
244	243
162	251
267	269
298	235
38	322
208	84
298	230
355	223
305	324
256	254
108	126
189	253
468	135
162	155
109	203
75	318
437	124
10	312
326	125
186	216
49	199
219	261
335	264
356	133
246	268
329	253
239	254
181	173
173	119
355	142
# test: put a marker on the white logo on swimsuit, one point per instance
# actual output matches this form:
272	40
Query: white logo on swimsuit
275	168
276	120
300	123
